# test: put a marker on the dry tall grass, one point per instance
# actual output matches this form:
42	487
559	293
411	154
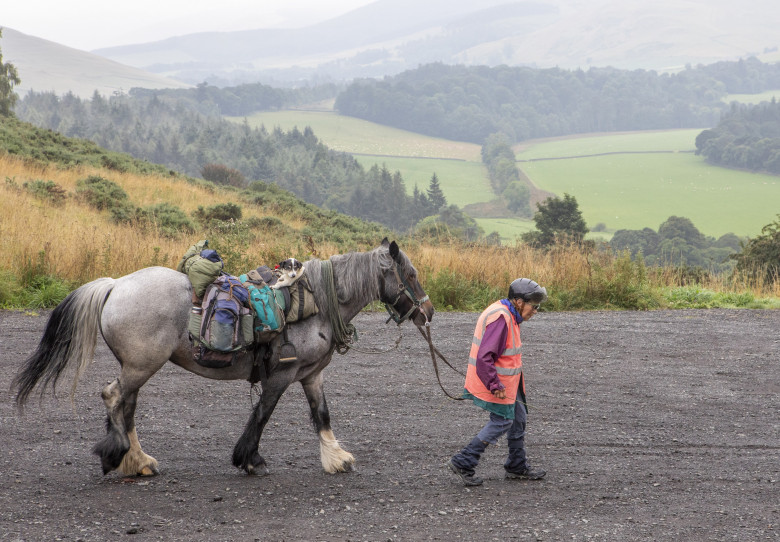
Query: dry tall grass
78	244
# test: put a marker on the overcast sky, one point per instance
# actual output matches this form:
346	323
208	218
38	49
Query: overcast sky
92	24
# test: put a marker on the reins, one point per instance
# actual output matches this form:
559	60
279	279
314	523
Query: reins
345	335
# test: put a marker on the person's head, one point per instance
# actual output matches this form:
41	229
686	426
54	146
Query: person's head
526	295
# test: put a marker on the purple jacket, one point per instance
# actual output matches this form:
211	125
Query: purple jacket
493	343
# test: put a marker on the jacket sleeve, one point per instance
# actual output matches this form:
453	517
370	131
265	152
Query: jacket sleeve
490	349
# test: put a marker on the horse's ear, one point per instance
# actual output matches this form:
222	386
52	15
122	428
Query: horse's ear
394	250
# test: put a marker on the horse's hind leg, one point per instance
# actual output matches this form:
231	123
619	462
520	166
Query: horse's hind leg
120	448
116	443
334	458
135	461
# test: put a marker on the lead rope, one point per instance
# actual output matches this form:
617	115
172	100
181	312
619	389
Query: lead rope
434	353
343	334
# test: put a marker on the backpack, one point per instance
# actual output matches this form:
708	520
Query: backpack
223	327
269	316
202	265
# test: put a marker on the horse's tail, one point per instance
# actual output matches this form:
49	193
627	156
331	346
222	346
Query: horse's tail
70	336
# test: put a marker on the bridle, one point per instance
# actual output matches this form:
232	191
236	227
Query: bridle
404	289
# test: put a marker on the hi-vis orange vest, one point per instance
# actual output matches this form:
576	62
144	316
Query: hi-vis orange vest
509	365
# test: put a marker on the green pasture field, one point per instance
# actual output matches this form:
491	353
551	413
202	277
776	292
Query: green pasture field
753	98
634	191
462	182
357	136
508	228
588	144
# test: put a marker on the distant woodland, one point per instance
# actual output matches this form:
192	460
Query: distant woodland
748	137
468	103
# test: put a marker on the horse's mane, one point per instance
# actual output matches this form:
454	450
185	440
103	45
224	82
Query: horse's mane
355	274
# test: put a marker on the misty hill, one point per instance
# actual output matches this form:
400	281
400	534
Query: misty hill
387	37
45	66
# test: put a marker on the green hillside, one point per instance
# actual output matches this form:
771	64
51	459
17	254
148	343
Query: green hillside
458	165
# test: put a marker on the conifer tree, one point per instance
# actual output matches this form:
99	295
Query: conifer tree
435	194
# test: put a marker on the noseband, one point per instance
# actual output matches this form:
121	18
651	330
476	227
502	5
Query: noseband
404	288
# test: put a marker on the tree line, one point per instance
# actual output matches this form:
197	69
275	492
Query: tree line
499	158
240	100
747	137
468	103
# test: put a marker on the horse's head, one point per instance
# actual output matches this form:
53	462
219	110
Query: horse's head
401	292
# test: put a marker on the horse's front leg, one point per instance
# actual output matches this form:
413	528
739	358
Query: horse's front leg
245	453
334	458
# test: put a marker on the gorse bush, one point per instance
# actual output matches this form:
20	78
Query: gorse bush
167	218
48	191
101	193
221	211
220	174
622	285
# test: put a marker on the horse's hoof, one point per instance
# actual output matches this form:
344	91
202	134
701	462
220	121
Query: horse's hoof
257	470
147	471
347	466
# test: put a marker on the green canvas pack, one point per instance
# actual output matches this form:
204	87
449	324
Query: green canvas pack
202	265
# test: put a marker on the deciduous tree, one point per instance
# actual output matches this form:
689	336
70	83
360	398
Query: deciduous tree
9	77
760	256
557	219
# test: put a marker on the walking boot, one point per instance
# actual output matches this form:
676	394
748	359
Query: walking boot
527	474
468	478
464	462
516	465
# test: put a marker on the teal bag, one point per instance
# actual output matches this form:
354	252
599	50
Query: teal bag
269	316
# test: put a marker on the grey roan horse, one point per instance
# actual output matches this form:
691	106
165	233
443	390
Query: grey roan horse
143	318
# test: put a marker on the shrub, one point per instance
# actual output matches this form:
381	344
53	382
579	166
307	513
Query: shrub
623	285
447	291
101	193
232	240
269	224
169	219
760	256
220	174
224	212
47	191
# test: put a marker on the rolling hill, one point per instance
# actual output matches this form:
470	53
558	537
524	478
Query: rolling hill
47	66
390	36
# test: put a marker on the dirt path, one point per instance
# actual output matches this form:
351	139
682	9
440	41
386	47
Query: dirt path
652	426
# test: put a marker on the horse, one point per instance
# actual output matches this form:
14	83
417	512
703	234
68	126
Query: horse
143	318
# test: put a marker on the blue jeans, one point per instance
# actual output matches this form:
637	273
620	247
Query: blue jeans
468	458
